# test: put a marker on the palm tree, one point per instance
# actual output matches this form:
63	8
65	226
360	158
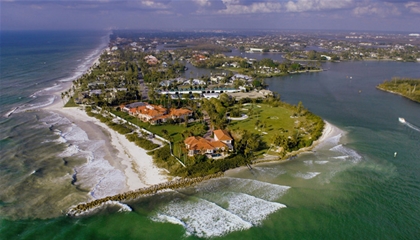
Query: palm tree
62	97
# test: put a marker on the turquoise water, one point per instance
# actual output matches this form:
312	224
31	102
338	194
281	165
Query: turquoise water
350	187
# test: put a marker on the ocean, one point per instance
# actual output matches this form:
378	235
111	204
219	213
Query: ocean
349	187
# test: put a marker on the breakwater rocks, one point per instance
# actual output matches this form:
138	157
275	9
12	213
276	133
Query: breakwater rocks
84	208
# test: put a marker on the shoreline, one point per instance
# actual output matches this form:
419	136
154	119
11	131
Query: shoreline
133	161
329	131
396	93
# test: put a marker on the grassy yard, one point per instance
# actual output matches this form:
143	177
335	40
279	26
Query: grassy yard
274	119
174	130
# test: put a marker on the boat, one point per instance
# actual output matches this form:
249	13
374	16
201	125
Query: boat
402	120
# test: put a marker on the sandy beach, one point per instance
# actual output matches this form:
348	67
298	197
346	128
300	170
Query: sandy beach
120	153
137	165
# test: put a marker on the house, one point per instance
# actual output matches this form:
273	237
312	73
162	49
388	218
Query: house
181	113
223	136
150	113
151	60
216	78
241	77
199	145
198	82
213	148
155	114
96	92
127	107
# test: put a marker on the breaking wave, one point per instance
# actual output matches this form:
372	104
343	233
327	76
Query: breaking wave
348	154
221	206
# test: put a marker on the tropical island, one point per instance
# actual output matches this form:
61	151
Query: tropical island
406	87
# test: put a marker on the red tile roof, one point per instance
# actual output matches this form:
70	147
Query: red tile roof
222	135
199	143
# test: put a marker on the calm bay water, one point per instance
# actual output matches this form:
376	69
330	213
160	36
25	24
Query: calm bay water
350	187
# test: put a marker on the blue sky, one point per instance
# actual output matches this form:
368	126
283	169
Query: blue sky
379	15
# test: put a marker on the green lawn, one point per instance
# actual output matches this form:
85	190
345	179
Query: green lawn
275	119
71	103
174	130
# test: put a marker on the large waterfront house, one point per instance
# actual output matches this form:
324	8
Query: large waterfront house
156	114
212	148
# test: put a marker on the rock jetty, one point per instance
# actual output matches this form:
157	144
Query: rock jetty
82	208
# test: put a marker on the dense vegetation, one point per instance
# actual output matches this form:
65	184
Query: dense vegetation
407	87
264	68
197	166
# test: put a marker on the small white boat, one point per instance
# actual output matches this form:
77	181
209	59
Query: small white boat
402	120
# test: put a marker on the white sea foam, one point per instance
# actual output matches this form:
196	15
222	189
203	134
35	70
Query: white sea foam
263	190
412	126
308	175
101	177
334	139
97	174
202	218
269	171
165	218
321	162
249	208
41	92
349	154
50	90
33	106
9	113
308	162
75	133
124	207
70	151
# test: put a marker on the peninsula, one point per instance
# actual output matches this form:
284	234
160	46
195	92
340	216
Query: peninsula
194	128
407	87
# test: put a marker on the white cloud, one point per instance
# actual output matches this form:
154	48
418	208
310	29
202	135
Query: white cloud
316	5
153	4
203	3
235	7
413	6
379	9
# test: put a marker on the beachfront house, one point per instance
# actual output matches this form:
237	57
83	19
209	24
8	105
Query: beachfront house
212	148
156	114
223	136
202	146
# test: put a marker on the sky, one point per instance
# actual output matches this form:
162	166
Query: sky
372	15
